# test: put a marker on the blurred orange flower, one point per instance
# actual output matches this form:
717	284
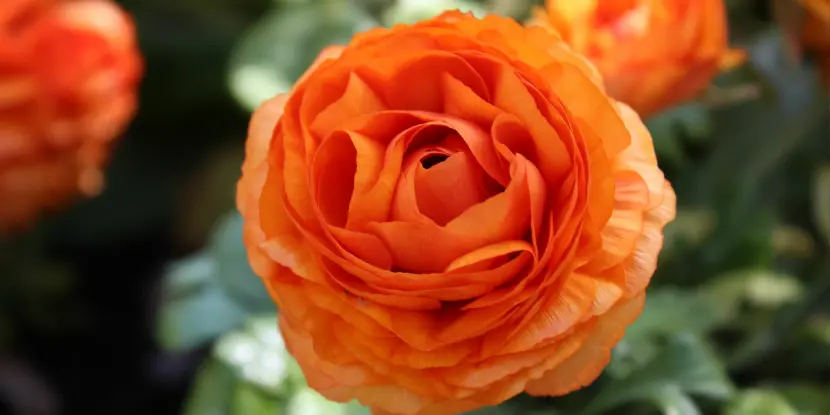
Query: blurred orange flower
450	213
653	54
68	76
816	35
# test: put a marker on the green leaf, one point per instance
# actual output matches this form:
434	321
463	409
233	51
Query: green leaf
668	145
517	9
508	409
278	49
309	402
212	292
783	324
807	399
793	242
189	276
689	228
685	365
268	379
213	390
198	318
669	129
821	201
760	402
758	287
234	270
694	120
413	11
248	400
667	311
672	400
819	328
257	354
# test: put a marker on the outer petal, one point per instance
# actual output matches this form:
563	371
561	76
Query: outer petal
586	364
254	174
102	17
644	204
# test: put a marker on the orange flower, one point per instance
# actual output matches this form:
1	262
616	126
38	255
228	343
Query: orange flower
451	213
653	54
68	76
816	34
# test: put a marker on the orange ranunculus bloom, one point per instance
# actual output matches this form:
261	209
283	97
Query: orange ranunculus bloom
68	76
653	54
451	213
816	34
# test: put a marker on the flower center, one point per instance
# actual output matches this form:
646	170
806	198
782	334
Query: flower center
445	179
431	160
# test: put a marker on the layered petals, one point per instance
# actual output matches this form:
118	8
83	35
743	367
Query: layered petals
451	213
68	76
653	53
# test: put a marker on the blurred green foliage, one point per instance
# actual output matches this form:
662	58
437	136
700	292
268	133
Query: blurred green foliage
737	319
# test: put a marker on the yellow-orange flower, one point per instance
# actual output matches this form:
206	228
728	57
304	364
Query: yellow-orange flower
816	34
653	54
68	76
450	213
